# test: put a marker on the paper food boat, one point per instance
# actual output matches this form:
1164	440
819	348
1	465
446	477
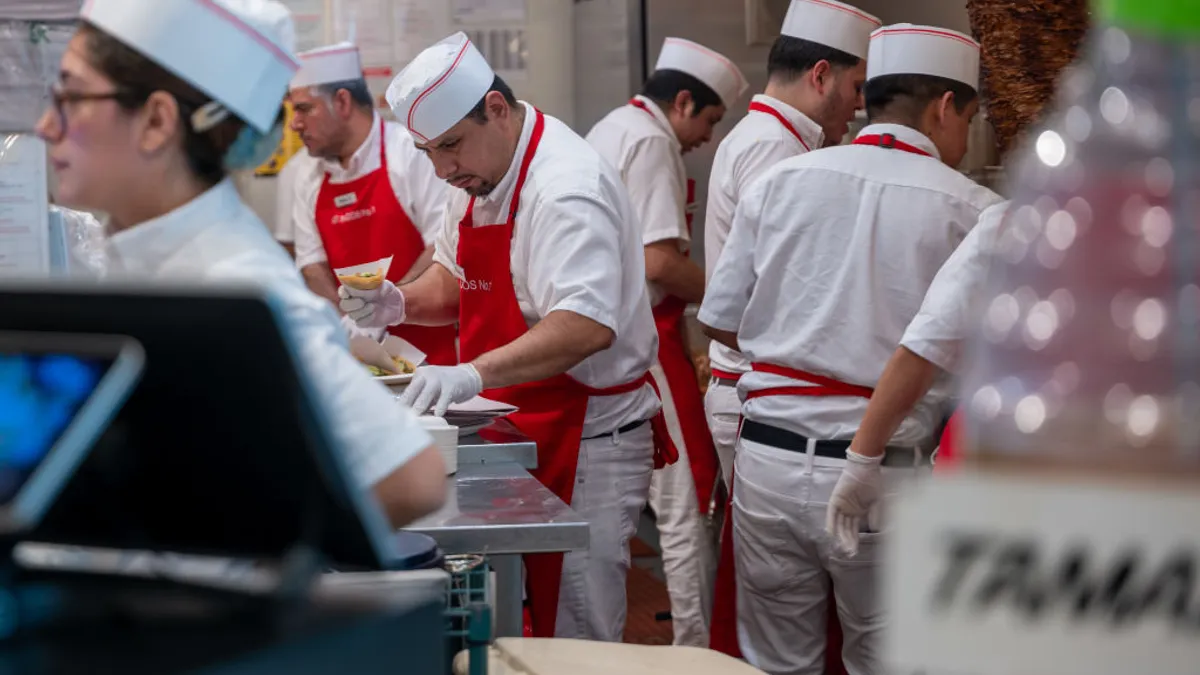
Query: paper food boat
380	355
378	271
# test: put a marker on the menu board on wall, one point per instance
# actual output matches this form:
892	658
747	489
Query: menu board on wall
24	222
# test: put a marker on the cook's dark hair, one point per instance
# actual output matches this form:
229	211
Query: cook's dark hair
479	112
792	57
666	84
902	98
359	92
137	77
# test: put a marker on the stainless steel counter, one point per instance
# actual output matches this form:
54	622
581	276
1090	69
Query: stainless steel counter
500	508
495	507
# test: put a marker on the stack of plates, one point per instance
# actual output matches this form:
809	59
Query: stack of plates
476	414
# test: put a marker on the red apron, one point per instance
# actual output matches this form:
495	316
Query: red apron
362	221
948	449
680	374
768	110
724	621
552	411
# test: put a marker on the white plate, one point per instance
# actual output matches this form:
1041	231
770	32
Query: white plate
395	379
473	428
483	405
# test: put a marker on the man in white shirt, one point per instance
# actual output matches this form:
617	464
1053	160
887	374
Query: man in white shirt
372	204
815	73
540	261
932	346
681	102
815	287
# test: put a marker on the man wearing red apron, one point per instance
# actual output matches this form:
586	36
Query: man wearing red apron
372	203
815	72
645	140
814	287
541	266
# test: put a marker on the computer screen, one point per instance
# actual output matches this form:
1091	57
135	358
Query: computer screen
221	450
40	393
58	394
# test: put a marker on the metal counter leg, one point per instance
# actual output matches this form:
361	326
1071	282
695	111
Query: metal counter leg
509	595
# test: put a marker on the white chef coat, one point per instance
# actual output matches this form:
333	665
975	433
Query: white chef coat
952	307
217	239
826	279
575	247
758	142
643	147
286	183
418	189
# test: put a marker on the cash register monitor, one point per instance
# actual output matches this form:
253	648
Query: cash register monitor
58	393
220	450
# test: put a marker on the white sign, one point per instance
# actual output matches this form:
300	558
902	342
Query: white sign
1011	576
24	220
487	12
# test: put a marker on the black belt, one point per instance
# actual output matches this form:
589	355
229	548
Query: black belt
724	382
783	439
623	430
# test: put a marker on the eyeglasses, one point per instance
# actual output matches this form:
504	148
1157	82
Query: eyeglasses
59	98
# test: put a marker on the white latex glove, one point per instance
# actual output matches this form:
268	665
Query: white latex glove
353	330
439	386
379	308
855	497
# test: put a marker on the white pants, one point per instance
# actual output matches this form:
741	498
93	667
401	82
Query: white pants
724	411
612	481
786	562
689	551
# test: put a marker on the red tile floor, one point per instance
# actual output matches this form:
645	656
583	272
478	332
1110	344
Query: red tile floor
647	597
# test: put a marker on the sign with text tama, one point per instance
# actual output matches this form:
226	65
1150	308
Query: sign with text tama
990	575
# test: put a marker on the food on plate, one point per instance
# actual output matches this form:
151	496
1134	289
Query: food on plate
363	281
403	367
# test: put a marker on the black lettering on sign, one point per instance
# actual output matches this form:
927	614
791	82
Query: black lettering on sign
984	573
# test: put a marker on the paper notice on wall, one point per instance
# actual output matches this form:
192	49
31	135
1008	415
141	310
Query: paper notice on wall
487	12
310	20
366	23
24	221
416	25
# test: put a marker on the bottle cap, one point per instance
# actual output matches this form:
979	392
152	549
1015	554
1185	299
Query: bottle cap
1176	18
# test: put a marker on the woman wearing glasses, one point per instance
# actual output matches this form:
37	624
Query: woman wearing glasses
152	109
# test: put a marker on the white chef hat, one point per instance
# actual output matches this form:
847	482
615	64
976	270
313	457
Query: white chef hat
705	65
831	23
335	63
239	52
439	87
906	49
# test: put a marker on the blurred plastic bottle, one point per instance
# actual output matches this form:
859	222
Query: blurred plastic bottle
1089	357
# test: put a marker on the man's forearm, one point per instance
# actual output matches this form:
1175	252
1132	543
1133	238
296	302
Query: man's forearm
557	343
418	268
725	337
432	299
905	380
673	272
321	281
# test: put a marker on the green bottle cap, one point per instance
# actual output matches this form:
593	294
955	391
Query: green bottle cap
1177	18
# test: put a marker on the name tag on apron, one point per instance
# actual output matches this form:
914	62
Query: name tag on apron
342	201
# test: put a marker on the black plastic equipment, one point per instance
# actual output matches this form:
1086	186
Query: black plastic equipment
220	449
